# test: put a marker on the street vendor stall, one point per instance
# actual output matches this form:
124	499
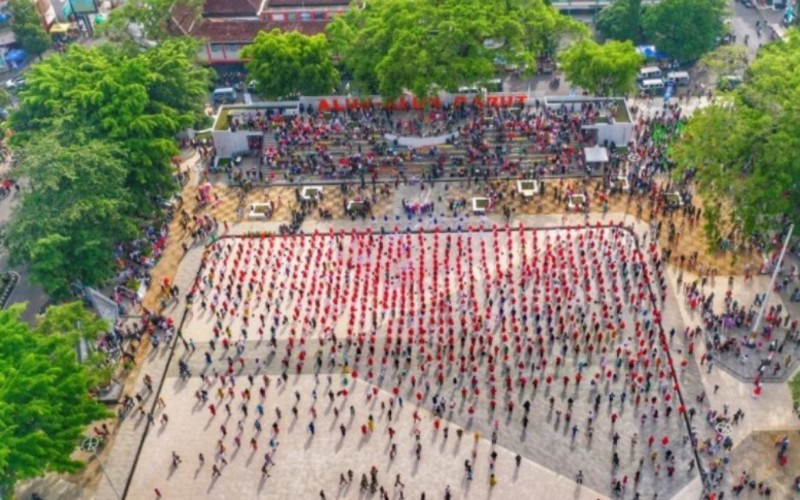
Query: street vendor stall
595	157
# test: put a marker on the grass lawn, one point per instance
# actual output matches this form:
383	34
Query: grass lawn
794	386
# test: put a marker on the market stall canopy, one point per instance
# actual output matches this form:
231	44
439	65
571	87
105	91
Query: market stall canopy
650	52
596	155
60	29
15	56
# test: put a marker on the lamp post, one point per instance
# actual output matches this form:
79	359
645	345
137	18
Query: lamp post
761	311
81	9
91	444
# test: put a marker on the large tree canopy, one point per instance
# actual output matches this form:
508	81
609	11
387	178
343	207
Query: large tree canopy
95	135
621	20
608	69
725	60
744	151
390	46
27	27
138	101
291	63
45	404
685	29
75	209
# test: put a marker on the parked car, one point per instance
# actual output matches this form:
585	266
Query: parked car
15	83
729	82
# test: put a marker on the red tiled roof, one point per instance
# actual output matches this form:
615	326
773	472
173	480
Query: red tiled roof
306	3
183	20
231	8
243	31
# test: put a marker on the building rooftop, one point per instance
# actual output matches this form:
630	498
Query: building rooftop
242	30
306	3
231	8
222	30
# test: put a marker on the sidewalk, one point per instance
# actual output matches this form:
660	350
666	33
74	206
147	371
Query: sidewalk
123	455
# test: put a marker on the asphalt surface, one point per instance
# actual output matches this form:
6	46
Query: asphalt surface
25	291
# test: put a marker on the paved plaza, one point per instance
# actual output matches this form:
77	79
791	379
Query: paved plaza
397	306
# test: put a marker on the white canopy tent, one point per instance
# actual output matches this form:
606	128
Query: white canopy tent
595	155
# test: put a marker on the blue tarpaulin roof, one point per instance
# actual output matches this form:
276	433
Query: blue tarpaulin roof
15	55
650	52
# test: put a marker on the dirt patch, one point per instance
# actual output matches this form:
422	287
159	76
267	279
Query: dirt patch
758	456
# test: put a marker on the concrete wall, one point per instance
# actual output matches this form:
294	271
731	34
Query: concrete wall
228	143
619	133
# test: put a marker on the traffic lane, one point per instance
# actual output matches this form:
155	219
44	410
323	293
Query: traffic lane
743	25
25	291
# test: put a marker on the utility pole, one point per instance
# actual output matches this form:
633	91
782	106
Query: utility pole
761	311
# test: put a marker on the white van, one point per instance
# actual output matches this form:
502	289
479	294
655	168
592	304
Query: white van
678	77
652	86
223	95
649	73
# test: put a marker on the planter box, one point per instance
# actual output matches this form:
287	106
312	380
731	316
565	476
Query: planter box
355	205
480	205
309	193
528	188
674	199
260	210
576	202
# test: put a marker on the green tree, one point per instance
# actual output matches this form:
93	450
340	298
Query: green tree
149	19
291	63
744	149
621	20
393	46
138	101
45	404
74	210
5	98
77	323
27	27
685	29
725	60
607	69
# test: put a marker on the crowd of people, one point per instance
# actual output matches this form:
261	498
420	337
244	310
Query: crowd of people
542	328
554	324
544	139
